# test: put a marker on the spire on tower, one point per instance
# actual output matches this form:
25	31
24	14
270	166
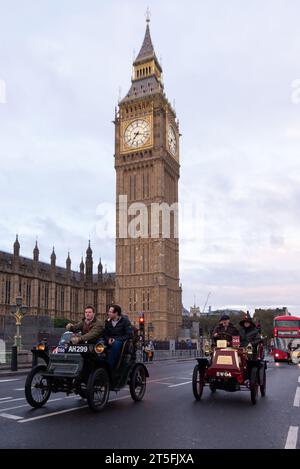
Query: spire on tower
68	261
53	258
16	247
36	252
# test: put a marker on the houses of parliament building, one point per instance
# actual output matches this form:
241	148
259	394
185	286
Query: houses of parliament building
146	161
48	289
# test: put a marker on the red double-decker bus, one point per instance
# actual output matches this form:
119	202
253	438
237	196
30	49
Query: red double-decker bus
286	328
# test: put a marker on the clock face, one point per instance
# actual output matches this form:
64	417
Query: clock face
137	133
172	140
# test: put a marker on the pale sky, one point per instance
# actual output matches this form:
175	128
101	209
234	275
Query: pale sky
232	68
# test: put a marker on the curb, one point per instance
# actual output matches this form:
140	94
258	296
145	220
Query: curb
8	373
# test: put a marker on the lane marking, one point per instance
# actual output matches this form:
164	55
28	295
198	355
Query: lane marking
186	377
16	407
297	398
291	441
159	379
19	389
299	379
5	398
39	417
8	380
179	384
27	405
162	382
16	399
10	416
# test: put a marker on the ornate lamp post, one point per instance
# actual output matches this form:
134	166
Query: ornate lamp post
18	311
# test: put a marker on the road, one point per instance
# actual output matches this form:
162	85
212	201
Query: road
168	417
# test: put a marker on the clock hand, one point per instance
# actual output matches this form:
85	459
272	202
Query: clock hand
135	135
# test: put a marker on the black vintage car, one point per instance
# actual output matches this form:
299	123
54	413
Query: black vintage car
83	369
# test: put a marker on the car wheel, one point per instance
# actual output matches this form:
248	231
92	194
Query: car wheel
98	388
37	389
137	384
263	384
253	385
198	381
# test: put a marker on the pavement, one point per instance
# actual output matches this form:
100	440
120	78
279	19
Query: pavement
168	417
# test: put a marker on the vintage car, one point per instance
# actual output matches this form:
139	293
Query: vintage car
294	351
230	367
83	369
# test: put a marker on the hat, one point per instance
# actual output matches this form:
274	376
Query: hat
224	317
242	322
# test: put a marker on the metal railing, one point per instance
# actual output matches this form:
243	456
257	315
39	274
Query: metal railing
169	354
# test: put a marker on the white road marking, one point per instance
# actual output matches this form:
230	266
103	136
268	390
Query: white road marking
17	399
159	379
291	441
186	377
19	389
179	384
39	417
5	398
52	414
10	416
7	380
16	407
163	382
299	379
297	398
26	405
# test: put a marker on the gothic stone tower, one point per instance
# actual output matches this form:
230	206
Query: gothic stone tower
147	172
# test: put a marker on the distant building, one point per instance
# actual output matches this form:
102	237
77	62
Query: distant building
194	311
274	311
185	312
220	312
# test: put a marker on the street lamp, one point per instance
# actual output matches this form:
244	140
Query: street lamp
18	311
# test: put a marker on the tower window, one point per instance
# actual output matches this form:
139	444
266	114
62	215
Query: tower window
28	294
46	296
7	292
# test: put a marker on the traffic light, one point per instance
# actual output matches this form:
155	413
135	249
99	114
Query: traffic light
200	331
142	323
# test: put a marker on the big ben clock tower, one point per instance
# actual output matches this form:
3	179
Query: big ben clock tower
147	174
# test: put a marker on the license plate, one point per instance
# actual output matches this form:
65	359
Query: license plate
60	349
77	349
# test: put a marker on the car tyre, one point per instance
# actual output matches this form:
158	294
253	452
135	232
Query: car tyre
137	384
98	388
37	390
254	385
263	383
198	382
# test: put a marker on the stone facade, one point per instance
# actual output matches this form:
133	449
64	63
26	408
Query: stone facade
50	290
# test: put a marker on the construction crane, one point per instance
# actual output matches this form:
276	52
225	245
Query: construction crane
207	298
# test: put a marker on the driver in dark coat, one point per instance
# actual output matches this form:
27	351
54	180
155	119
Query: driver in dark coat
249	333
117	329
224	330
